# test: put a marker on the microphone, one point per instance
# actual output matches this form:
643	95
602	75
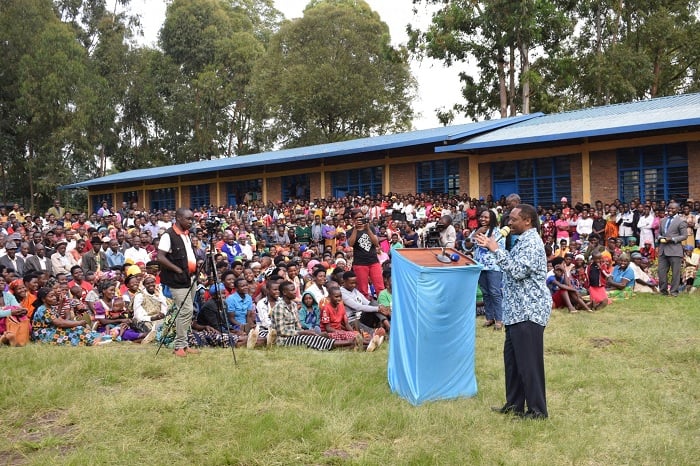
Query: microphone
505	231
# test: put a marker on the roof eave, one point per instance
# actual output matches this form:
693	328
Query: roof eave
571	135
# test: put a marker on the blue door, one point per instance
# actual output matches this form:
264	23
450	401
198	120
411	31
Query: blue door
504	188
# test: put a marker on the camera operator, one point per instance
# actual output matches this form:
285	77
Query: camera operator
364	243
448	235
178	265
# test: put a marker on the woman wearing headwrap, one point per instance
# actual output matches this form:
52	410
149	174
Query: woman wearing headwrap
50	327
150	308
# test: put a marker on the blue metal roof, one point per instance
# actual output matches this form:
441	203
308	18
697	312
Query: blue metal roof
648	115
442	135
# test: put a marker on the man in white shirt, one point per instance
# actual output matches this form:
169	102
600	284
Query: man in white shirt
60	261
165	222
70	239
246	249
448	235
136	253
584	225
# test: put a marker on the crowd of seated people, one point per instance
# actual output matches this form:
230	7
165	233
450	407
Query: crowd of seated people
92	278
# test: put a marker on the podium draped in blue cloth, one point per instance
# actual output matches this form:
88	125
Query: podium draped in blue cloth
431	349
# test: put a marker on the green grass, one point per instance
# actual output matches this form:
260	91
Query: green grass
622	385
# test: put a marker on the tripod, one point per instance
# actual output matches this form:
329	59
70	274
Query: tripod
208	266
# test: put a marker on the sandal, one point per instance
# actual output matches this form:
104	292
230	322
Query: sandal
498	326
489	323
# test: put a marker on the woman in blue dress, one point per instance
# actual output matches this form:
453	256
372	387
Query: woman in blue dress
491	277
50	326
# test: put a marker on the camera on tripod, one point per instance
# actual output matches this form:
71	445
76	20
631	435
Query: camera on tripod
432	236
212	225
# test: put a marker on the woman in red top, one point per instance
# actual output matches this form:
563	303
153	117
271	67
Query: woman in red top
334	319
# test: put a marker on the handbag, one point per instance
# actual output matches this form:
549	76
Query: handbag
19	326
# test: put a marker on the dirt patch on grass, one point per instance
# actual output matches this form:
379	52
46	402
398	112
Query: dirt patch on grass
353	450
44	425
43	431
602	342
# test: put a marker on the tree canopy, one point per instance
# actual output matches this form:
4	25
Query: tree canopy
333	75
79	97
554	55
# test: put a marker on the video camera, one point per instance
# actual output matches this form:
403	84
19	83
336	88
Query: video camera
213	224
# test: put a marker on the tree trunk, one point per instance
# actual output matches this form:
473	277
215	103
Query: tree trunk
511	82
657	76
4	185
525	77
30	160
502	93
103	160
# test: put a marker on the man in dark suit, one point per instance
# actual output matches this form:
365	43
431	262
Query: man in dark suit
672	232
95	260
11	260
39	261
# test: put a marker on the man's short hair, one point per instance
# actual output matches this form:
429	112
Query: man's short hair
529	211
349	274
284	285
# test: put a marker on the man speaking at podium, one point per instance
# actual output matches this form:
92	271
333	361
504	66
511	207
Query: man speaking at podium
527	305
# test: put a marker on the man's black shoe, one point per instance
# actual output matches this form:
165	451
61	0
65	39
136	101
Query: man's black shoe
534	415
507	409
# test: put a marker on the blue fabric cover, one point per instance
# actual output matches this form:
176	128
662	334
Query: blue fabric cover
431	349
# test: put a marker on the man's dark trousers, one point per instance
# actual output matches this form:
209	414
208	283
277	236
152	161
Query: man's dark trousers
523	357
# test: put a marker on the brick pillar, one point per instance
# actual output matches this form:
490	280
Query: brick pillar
403	178
464	176
315	185
274	189
484	181
604	176
576	179
694	169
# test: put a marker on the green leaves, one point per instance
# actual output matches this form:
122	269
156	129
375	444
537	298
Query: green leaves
527	55
333	75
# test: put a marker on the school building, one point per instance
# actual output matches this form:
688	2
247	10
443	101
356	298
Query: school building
648	150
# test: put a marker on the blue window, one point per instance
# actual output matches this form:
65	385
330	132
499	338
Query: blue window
439	177
653	173
537	181
199	196
98	199
163	199
296	187
243	191
130	197
358	182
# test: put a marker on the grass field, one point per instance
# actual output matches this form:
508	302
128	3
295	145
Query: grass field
623	387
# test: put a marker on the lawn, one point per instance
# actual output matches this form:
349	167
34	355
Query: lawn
623	387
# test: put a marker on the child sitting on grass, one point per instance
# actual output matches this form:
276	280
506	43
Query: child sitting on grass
334	320
309	313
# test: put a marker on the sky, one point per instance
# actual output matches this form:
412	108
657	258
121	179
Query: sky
438	87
